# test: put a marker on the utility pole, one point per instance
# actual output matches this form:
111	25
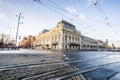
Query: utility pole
19	17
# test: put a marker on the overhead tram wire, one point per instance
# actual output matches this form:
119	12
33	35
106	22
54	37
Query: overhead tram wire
107	17
61	14
115	12
102	13
76	16
60	8
57	6
55	11
48	6
112	14
11	8
29	7
84	7
64	11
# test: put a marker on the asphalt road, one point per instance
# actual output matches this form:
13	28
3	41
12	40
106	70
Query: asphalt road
97	65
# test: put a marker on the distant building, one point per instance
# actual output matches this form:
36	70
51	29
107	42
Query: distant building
92	44
6	41
102	45
88	43
63	37
4	38
27	42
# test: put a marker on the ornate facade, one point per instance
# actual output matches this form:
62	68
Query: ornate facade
88	43
92	44
63	37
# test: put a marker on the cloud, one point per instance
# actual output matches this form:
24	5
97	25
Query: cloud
90	2
71	10
10	5
1	2
75	12
6	3
3	17
81	16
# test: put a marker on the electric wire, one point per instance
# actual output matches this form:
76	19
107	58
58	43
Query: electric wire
102	13
61	9
28	8
51	8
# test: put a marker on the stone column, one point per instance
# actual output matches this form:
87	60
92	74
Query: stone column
61	40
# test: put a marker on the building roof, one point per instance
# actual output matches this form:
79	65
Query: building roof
45	30
63	21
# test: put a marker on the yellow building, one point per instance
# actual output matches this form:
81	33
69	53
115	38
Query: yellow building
88	43
63	37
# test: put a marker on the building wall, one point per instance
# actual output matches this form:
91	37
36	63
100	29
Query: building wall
4	38
102	45
88	43
27	42
71	37
63	37
92	44
48	40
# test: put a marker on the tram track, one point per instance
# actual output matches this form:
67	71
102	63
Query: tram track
51	63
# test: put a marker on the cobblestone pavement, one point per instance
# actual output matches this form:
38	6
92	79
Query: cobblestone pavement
24	56
41	72
49	65
36	65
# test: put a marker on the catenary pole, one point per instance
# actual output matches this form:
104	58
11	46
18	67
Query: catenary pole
19	17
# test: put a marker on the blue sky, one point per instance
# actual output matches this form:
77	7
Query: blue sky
37	17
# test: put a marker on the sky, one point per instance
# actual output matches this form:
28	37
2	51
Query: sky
100	21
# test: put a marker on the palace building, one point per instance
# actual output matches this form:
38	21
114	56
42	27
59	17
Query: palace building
63	37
